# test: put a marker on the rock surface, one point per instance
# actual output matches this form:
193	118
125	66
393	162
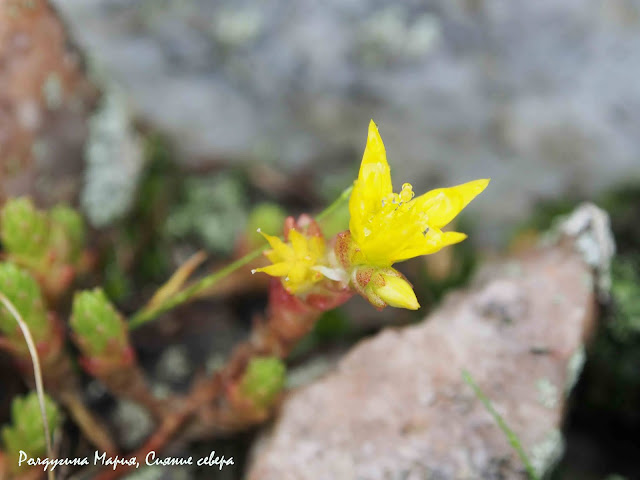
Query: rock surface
45	103
397	407
460	89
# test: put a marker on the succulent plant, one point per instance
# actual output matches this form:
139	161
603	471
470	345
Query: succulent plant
263	380
67	233
96	323
24	230
24	293
26	431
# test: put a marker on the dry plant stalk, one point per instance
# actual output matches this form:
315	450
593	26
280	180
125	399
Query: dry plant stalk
37	372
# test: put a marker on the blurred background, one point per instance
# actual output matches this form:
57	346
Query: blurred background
178	125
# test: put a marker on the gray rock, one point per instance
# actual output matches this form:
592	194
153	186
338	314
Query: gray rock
541	96
397	407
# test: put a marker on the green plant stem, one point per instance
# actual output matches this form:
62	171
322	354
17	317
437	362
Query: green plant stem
143	316
37	373
513	439
147	314
336	203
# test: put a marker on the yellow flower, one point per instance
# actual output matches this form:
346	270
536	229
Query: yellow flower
391	227
294	260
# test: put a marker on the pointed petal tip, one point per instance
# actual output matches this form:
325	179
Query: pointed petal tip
415	306
454	237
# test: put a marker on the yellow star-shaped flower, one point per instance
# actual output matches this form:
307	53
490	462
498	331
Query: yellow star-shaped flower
391	227
294	260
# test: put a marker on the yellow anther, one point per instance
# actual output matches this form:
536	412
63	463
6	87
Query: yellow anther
406	194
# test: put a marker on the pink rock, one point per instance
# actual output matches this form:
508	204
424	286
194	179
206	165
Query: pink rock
397	406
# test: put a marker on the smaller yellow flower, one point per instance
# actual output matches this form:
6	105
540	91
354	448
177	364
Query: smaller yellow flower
295	260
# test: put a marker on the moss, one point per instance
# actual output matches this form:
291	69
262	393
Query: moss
625	289
212	209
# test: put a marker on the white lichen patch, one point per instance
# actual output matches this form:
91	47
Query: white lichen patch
574	368
237	28
133	424
52	91
173	365
214	363
546	454
547	393
390	34
114	160
590	227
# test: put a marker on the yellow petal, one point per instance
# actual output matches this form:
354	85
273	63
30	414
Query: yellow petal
316	247
373	183
280	248
272	256
276	270
443	204
298	274
434	241
397	292
299	243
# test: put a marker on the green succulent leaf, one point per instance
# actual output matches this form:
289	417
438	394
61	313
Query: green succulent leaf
26	430
96	322
24	230
24	293
263	380
67	232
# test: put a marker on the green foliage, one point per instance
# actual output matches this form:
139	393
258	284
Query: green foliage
24	293
26	431
332	325
263	380
269	218
625	289
212	209
67	232
32	237
96	322
24	230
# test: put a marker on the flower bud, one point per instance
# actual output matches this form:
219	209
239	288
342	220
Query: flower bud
26	432
24	230
384	286
396	292
24	293
262	381
99	329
